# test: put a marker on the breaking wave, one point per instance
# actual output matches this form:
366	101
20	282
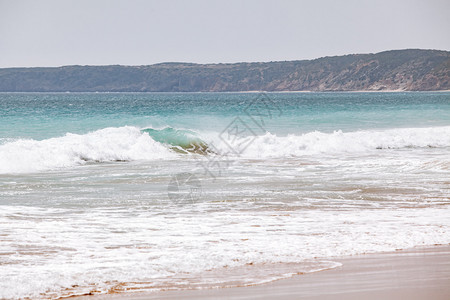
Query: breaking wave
338	142
109	144
179	140
132	143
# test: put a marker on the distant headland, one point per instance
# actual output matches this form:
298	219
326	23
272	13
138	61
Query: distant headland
398	70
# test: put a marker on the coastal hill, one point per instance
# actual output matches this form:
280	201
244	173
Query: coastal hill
408	70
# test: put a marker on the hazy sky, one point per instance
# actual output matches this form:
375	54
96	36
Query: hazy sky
132	32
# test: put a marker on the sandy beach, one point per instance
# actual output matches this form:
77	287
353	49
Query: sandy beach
418	273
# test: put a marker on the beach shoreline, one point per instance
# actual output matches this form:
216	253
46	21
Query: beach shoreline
414	274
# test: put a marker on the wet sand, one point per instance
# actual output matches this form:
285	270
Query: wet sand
419	273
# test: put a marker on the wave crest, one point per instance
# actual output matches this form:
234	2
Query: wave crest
312	143
109	144
179	140
131	143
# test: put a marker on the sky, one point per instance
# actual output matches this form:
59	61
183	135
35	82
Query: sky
135	32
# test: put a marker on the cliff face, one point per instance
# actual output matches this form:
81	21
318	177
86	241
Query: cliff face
409	70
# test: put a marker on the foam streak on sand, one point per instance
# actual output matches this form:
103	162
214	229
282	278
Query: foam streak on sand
413	274
61	252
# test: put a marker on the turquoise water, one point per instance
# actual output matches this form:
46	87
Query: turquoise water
191	190
41	116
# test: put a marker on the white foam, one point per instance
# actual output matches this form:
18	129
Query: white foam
96	250
312	143
109	144
129	143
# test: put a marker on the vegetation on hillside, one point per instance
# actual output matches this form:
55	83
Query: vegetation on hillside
408	70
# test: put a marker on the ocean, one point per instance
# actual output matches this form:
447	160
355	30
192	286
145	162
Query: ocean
125	192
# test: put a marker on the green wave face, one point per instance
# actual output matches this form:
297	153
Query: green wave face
182	141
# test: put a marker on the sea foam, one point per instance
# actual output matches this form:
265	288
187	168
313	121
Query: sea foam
338	142
131	143
105	145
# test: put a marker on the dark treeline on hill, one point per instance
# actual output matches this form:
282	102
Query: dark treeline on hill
409	70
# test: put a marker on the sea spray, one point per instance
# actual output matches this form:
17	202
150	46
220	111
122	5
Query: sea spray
105	145
132	143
